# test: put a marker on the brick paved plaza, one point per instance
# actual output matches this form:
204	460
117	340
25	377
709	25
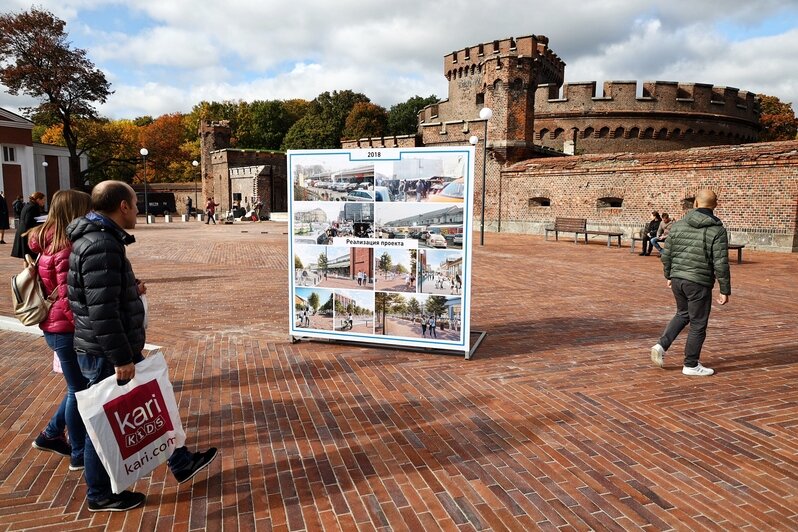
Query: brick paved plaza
560	422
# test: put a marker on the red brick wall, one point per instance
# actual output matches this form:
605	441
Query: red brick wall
757	185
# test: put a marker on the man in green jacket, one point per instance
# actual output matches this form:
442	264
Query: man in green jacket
697	253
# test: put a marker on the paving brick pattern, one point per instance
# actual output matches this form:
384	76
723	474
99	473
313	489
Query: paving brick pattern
560	422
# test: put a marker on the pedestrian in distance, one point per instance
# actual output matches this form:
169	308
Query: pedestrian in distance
210	211
27	221
697	254
105	299
423	326
18	205
433	323
650	232
51	242
3	218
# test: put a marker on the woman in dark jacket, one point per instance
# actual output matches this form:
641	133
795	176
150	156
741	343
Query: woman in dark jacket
650	232
3	218
27	221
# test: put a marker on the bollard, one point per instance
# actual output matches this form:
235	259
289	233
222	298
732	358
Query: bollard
167	218
200	216
150	219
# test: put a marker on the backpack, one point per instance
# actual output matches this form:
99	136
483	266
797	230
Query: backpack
31	306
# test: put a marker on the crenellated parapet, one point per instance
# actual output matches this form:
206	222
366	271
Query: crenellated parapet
652	97
654	116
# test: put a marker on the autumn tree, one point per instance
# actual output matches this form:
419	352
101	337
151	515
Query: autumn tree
169	158
365	120
403	117
777	119
314	301
385	262
112	147
37	59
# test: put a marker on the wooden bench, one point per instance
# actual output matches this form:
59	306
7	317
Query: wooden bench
739	248
637	239
577	226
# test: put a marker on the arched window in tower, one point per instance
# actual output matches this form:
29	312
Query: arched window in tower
542	134
663	133
676	134
609	202
512	43
588	132
497	85
480	98
604	133
481	49
517	84
618	133
648	133
634	133
495	47
557	133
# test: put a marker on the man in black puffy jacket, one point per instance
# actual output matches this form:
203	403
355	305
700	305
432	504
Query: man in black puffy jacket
104	295
697	253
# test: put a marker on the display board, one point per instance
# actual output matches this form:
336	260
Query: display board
380	245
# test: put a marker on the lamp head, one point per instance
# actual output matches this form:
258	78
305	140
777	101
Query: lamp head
144	152
485	113
194	164
473	140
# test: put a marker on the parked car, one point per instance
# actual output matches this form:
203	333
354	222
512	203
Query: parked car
382	194
457	239
453	192
360	195
436	241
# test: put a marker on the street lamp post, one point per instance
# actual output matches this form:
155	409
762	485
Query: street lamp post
44	171
484	114
195	164
144	152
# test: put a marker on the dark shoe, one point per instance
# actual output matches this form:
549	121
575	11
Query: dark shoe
199	462
127	500
76	464
2	241
57	445
642	253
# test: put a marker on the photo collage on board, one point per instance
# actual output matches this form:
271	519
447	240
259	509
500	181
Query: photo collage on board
406	281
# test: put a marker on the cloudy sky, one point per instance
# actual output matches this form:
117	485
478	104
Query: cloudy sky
164	56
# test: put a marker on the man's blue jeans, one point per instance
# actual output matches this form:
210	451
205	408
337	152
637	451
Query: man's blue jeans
96	369
655	243
67	413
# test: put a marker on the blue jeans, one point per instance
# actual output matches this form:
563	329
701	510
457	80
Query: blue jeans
95	369
67	413
655	243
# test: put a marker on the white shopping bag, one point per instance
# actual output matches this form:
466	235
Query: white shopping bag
57	363
134	427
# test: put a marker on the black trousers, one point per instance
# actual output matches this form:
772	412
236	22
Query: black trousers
693	304
647	246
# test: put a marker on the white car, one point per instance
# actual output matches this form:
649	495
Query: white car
382	194
436	241
360	195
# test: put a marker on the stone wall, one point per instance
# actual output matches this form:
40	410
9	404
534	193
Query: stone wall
757	185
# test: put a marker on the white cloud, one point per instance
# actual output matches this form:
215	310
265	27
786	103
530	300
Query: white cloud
165	56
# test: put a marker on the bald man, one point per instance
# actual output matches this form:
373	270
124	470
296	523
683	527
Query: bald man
104	296
695	256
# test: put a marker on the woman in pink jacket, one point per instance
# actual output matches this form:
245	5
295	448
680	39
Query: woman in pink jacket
51	242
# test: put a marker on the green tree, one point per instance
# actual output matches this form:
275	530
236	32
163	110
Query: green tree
323	124
365	120
297	263
413	308
323	262
777	119
314	301
385	263
36	59
264	124
403	117
435	305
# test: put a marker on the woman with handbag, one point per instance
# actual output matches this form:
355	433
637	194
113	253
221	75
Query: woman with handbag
27	221
50	240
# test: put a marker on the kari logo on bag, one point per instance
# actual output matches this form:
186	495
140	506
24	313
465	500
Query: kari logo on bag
138	418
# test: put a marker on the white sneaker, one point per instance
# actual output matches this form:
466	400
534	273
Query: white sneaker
698	371
658	355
